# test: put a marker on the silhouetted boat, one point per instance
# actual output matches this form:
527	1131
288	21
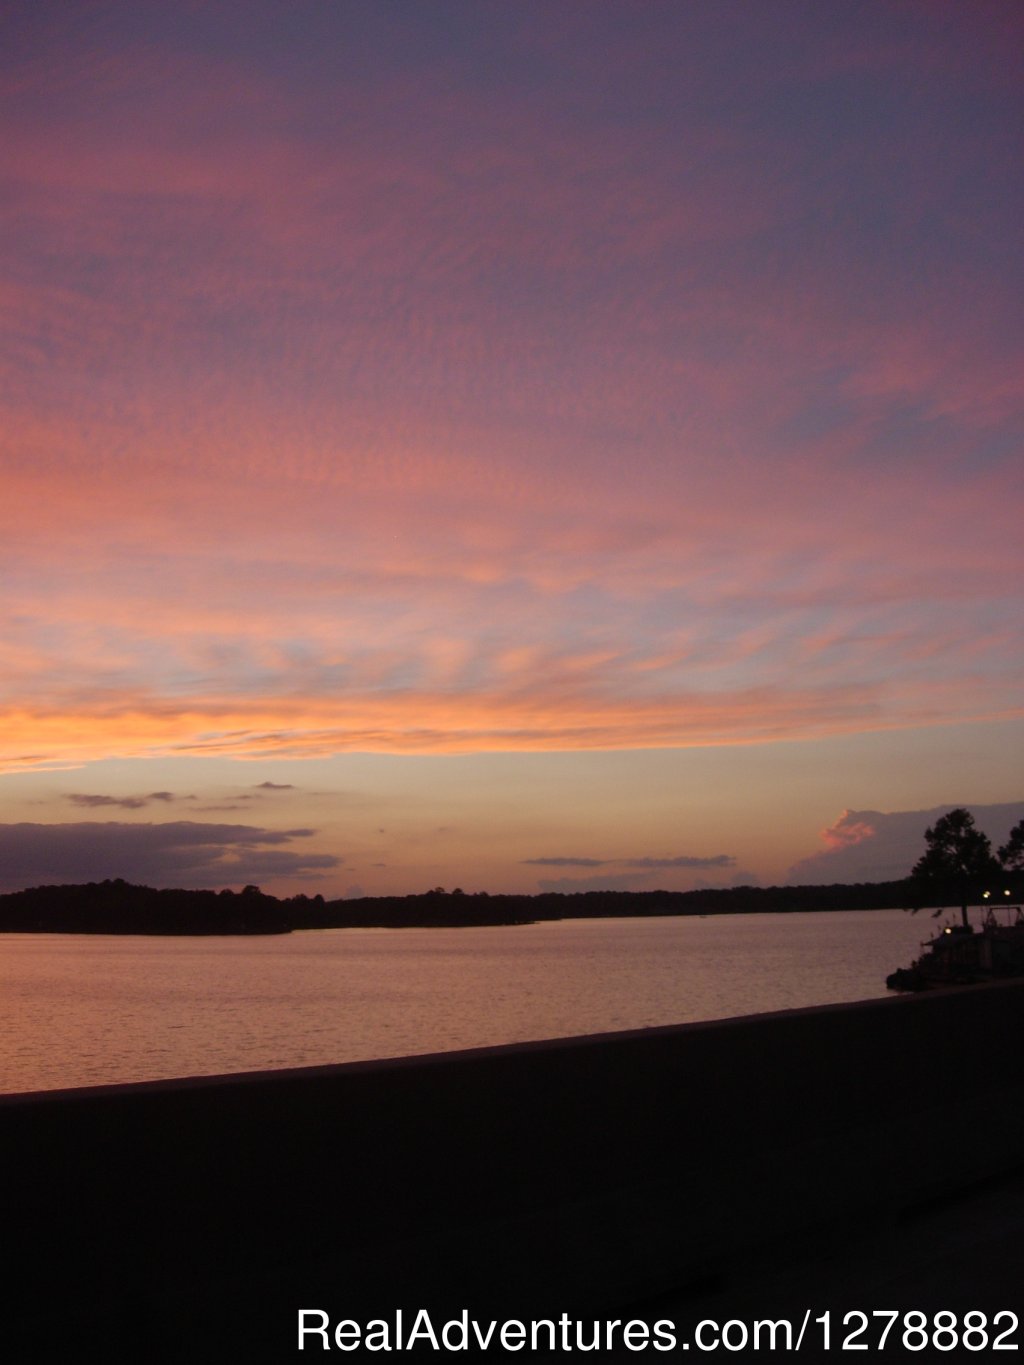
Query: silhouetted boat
962	956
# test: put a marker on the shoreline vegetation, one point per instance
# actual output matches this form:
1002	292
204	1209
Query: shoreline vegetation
119	907
958	868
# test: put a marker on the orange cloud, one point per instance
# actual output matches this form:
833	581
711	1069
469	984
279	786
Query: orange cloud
348	403
537	714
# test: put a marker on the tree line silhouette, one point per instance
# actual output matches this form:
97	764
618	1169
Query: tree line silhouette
957	868
118	907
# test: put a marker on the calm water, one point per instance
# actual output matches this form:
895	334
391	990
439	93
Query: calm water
81	1010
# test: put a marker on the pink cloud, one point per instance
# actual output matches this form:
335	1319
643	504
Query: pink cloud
405	412
883	846
852	828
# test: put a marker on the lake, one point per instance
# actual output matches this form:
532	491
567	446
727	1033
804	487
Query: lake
85	1010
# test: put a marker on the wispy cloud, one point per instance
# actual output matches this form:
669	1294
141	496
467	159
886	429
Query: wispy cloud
536	713
565	862
126	802
352	403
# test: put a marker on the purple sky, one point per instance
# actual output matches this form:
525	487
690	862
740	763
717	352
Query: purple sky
522	430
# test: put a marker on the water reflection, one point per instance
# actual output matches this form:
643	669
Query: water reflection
81	1010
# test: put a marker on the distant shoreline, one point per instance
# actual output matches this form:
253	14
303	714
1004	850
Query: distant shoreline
118	907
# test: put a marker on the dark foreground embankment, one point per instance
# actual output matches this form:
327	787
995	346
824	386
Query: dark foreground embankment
190	1220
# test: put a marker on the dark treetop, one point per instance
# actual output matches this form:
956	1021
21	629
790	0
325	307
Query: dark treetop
117	907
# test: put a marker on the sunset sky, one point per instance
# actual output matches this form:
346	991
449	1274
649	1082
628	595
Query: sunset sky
511	444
